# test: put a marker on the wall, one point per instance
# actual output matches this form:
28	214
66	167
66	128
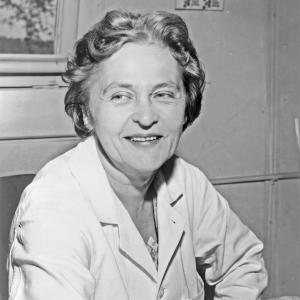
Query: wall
286	106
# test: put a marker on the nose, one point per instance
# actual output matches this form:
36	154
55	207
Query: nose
145	114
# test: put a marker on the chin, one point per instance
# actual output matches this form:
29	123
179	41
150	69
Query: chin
148	168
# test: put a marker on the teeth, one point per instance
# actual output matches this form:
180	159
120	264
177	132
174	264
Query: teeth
143	139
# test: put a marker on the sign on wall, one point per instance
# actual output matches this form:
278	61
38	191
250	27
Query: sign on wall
200	4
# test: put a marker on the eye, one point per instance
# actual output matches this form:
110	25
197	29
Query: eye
164	95
121	97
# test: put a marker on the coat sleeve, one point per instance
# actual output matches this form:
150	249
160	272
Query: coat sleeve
48	259
228	253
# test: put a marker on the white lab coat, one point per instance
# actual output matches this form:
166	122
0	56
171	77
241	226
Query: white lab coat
72	239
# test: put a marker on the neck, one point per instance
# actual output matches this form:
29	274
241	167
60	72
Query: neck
131	188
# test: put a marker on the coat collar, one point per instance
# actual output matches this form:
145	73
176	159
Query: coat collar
87	169
90	175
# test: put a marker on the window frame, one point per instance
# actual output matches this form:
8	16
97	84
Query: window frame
66	31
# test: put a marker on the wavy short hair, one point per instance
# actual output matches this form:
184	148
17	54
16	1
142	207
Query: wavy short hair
108	36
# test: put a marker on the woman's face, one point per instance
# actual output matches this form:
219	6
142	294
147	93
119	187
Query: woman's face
137	104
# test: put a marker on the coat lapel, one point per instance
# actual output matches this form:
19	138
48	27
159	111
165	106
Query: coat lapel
170	224
87	169
132	246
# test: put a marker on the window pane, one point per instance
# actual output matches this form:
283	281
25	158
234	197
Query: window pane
27	26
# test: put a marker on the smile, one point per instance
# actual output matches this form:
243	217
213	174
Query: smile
143	139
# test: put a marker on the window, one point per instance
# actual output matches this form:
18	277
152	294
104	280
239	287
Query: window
39	52
36	36
27	26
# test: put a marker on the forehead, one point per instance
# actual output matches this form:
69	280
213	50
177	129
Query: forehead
139	64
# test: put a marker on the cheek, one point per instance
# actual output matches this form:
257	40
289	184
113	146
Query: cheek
99	120
174	119
108	122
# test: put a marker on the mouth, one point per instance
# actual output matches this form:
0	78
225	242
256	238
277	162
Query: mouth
144	138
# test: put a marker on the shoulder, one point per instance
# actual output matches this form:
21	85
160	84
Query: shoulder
54	179
53	194
53	212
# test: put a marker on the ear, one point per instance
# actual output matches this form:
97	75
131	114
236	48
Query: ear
87	118
87	122
185	120
185	123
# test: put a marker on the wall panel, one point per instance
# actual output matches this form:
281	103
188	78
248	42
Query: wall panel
247	200
287	239
28	156
285	267
33	112
287	79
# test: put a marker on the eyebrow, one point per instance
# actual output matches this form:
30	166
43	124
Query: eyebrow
130	86
167	84
117	84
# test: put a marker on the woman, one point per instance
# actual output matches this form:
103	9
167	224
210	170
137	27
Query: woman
119	216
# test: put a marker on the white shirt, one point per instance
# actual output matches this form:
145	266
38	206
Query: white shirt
72	239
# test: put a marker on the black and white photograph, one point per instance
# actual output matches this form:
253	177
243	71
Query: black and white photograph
149	150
